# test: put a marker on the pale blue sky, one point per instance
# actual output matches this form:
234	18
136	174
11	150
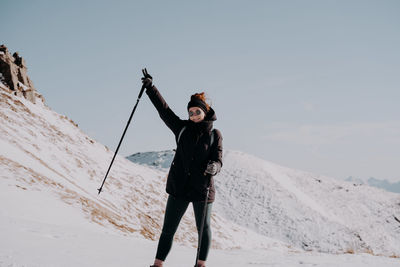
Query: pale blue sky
312	85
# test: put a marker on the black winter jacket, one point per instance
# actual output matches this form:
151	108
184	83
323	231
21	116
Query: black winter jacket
186	177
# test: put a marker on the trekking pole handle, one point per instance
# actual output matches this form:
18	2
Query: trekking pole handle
141	92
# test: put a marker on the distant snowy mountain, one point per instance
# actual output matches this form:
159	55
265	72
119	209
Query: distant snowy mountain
384	184
300	208
160	160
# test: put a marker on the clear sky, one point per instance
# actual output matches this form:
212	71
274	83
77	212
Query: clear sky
312	85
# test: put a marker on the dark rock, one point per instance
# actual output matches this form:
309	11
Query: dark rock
14	75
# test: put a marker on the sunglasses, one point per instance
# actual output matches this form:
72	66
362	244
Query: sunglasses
196	113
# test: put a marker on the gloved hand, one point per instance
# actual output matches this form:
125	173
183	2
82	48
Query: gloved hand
212	168
147	80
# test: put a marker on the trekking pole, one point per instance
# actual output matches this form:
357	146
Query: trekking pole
130	118
202	222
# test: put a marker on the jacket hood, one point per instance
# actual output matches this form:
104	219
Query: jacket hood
210	116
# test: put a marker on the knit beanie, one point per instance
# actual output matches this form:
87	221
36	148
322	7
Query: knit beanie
196	102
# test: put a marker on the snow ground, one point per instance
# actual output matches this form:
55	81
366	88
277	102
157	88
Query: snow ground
47	233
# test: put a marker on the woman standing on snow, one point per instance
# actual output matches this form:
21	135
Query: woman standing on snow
197	159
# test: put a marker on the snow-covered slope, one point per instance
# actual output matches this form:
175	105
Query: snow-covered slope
300	208
309	210
42	151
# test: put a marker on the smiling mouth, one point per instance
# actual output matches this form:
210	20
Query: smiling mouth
195	119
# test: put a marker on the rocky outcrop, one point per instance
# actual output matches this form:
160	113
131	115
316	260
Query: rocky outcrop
14	77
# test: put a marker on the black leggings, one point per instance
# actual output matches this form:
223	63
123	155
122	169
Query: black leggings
173	214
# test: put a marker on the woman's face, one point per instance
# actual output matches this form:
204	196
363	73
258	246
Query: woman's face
196	114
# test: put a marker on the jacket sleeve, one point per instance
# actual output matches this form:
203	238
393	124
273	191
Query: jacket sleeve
167	115
216	150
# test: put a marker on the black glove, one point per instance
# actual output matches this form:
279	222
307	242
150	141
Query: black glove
212	168
147	80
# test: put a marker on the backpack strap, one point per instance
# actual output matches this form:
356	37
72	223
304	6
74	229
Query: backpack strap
212	137
180	133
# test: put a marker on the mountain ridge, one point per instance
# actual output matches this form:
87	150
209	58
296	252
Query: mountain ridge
379	183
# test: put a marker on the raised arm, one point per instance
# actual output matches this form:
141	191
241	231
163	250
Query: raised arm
167	115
